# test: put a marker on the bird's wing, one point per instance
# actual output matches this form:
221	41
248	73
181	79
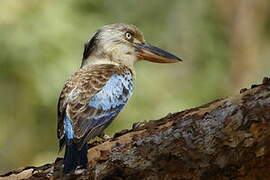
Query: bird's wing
97	96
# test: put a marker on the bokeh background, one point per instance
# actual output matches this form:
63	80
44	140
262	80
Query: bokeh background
225	45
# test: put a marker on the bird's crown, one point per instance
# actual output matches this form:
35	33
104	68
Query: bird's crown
122	44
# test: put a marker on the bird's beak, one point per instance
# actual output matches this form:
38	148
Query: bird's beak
151	53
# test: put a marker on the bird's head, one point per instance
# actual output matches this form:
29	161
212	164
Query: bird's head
122	44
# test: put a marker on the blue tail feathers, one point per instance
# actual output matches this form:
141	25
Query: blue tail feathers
74	157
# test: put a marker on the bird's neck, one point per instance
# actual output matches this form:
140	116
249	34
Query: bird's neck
92	60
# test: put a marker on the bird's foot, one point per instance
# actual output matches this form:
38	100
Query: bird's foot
79	170
104	136
138	125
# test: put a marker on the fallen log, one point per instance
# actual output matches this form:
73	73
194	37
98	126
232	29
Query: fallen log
228	138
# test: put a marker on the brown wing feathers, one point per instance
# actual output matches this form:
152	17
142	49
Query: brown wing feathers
78	91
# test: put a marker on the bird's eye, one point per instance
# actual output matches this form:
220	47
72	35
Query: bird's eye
128	35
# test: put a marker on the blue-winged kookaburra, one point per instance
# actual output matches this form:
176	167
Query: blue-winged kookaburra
94	95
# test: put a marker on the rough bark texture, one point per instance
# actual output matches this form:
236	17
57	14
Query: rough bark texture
226	139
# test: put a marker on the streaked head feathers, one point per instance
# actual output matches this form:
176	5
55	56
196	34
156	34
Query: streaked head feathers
123	44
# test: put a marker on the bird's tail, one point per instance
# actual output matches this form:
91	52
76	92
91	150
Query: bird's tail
74	157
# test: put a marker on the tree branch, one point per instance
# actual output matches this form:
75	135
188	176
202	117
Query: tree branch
226	139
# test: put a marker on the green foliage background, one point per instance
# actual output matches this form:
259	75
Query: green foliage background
41	45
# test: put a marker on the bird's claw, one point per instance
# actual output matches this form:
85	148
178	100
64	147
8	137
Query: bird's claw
104	136
138	125
79	171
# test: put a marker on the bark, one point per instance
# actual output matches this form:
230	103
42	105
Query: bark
228	138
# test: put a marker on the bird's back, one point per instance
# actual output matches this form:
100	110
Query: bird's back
90	99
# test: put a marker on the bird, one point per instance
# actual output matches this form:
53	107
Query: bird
95	94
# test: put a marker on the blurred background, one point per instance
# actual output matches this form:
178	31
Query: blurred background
225	45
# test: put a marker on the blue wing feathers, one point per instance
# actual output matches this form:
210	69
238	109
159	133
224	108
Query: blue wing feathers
113	94
68	128
109	101
112	98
